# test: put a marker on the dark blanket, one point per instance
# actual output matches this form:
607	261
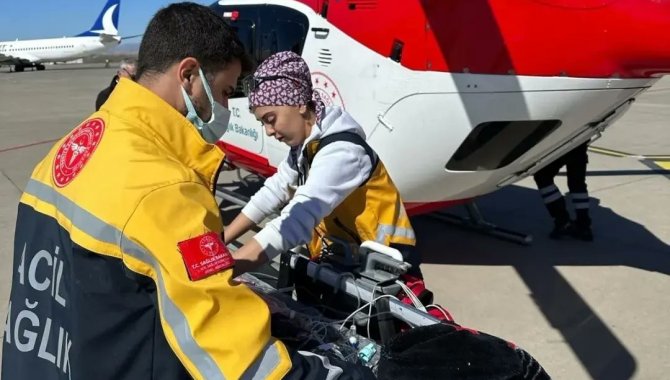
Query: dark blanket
448	351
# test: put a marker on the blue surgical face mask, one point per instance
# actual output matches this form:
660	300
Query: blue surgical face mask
217	125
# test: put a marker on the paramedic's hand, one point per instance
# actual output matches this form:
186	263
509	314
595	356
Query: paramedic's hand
249	257
240	225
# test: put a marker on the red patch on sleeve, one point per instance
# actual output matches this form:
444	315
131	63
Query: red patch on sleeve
205	255
76	150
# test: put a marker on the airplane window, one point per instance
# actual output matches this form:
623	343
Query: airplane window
496	144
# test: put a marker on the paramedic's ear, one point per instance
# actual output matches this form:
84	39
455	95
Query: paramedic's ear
187	70
303	110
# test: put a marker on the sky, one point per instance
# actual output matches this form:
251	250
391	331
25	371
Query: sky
29	19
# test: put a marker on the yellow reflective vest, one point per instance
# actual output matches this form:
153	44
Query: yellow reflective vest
374	211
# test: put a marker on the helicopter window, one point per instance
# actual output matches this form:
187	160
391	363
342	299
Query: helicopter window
496	144
245	29
265	30
282	35
282	29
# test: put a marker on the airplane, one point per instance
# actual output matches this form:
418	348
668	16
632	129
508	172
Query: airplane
458	97
103	35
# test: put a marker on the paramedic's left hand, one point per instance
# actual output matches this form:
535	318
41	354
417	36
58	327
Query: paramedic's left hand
249	257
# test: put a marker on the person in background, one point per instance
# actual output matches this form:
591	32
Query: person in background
575	163
127	69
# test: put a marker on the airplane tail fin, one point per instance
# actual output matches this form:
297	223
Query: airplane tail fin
107	22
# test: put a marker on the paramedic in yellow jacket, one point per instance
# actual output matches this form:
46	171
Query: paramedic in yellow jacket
333	185
119	267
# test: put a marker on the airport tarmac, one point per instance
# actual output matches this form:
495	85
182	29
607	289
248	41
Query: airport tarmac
585	310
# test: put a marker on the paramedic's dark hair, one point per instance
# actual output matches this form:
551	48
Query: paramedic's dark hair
185	30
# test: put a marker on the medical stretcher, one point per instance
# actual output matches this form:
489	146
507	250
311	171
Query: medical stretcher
365	284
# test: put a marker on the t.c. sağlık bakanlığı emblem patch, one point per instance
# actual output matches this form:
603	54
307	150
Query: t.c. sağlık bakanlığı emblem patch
76	150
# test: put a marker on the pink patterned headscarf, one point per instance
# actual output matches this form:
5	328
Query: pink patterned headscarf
283	80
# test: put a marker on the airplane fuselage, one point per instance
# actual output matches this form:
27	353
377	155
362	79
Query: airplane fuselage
55	49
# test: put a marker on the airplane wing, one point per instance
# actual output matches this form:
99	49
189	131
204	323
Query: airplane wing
6	59
121	39
133	36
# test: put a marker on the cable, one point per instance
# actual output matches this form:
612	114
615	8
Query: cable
363	307
370	309
358	291
379	314
316	329
410	294
444	311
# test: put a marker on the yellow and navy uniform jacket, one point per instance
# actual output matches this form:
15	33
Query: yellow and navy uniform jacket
374	211
100	289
